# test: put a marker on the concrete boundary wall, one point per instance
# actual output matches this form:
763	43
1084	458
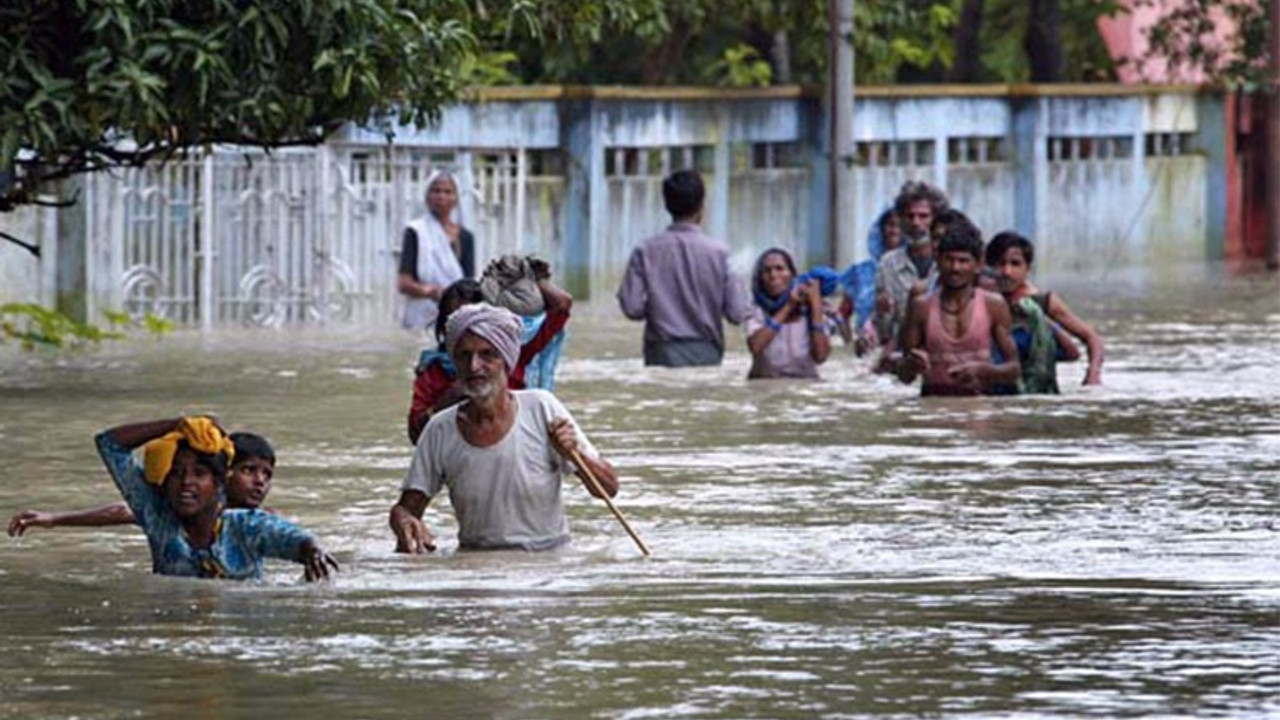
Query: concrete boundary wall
1097	176
1091	172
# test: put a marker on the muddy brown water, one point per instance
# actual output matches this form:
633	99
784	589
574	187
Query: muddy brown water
835	549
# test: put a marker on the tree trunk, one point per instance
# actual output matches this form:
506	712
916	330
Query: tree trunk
1044	40
967	42
781	56
659	62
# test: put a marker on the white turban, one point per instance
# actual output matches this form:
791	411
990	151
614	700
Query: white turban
501	327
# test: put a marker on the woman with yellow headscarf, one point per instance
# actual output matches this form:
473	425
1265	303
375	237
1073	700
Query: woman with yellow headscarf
177	495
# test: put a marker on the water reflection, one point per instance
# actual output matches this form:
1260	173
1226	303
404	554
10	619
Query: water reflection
838	549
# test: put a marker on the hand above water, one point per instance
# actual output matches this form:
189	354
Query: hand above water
917	361
412	535
19	523
317	564
969	374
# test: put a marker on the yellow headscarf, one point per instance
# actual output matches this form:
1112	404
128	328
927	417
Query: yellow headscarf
201	434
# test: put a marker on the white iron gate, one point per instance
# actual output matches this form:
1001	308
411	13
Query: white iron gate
295	236
144	240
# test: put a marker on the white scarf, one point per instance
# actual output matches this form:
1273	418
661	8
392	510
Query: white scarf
437	264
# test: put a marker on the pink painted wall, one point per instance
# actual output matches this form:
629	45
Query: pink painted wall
1126	39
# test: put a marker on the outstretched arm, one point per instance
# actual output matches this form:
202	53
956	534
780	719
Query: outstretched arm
316	563
1059	311
280	538
113	514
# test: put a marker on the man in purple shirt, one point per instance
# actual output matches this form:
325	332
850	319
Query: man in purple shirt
679	283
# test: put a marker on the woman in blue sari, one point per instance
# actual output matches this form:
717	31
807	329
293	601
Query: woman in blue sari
177	493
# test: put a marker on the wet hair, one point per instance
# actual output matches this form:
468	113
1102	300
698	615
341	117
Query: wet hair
216	463
461	292
250	445
757	280
953	218
887	219
1005	241
914	191
961	237
683	193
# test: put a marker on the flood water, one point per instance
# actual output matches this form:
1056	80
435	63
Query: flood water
836	549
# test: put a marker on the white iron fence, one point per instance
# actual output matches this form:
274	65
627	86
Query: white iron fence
302	236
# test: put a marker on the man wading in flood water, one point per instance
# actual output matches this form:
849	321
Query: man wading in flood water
949	334
679	283
501	453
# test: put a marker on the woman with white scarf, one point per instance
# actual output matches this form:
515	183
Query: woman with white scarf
436	252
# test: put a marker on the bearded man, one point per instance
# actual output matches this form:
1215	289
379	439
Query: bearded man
917	206
500	453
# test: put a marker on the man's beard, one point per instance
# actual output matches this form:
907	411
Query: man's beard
480	393
917	238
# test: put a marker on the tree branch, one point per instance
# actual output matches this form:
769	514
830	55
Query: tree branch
55	203
33	249
98	157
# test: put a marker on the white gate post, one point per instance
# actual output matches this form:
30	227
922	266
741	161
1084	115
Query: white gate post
522	180
48	262
121	259
339	230
322	253
207	235
472	211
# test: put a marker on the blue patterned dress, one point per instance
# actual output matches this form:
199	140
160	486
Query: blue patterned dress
243	540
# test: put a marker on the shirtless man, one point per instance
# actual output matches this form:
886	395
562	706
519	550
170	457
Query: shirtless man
948	334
